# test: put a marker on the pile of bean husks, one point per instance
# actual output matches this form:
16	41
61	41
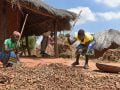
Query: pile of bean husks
56	77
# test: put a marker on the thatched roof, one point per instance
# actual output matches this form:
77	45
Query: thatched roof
43	17
109	39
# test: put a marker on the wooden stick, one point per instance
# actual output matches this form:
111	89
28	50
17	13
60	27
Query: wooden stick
23	27
77	18
73	27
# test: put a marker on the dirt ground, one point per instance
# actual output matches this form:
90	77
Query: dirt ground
34	61
31	62
57	74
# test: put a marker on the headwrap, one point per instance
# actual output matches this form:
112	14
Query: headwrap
16	33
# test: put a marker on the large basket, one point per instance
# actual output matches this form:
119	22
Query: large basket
108	68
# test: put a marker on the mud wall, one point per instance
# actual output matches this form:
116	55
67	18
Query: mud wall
9	21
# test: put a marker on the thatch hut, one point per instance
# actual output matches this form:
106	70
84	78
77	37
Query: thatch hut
41	18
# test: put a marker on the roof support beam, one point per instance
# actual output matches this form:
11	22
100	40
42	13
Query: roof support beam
55	40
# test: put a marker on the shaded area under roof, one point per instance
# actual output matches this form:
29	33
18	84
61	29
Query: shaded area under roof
43	17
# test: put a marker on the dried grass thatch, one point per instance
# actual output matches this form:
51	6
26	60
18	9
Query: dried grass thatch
109	39
43	17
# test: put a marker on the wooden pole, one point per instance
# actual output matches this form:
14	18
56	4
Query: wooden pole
55	40
77	18
56	46
23	26
26	37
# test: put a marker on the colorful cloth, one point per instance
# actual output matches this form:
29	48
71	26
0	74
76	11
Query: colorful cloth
10	57
80	46
88	49
3	56
91	45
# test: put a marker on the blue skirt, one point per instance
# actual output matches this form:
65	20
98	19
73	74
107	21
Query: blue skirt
90	46
11	57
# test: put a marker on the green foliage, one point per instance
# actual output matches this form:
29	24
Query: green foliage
31	42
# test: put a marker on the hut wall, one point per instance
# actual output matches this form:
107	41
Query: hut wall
13	20
3	21
9	21
0	22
